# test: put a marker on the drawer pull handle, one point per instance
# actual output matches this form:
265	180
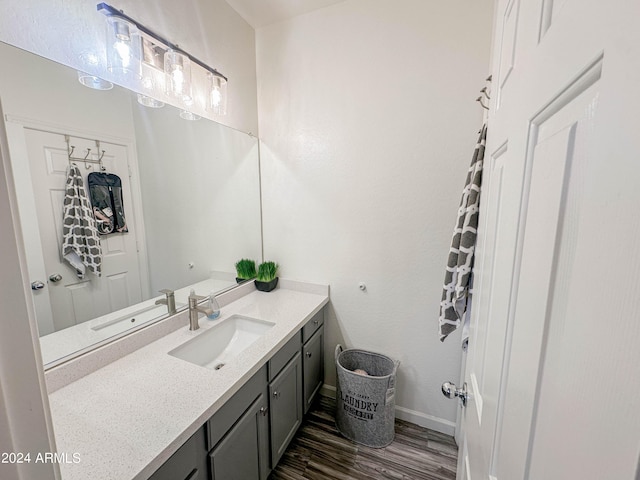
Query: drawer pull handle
193	475
276	394
308	354
264	411
315	322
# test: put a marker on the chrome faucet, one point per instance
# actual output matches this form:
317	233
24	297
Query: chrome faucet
169	301
194	309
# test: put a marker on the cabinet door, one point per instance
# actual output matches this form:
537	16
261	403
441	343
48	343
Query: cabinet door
285	401
188	463
243	454
313	367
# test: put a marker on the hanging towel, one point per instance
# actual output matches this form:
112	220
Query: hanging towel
80	243
457	280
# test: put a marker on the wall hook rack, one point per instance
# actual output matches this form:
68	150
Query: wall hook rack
86	160
479	100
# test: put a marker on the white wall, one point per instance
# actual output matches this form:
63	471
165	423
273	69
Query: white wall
201	195
210	30
61	100
368	123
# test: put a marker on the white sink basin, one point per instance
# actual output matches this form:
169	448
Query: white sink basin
220	344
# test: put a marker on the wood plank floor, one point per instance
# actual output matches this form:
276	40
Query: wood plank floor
320	452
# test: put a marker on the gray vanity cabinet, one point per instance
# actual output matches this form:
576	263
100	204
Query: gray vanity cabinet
188	463
238	433
247	436
243	453
285	406
312	358
312	367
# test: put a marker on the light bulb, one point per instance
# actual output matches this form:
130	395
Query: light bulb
124	52
217	95
177	69
177	81
123	47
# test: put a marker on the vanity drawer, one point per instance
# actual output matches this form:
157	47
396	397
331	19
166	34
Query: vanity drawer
232	410
282	357
312	325
188	463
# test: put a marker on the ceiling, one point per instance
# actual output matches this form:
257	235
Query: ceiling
259	13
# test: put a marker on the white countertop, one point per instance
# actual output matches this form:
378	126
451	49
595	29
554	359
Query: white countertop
61	343
127	418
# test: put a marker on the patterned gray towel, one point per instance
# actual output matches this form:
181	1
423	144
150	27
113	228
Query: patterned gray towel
455	293
80	243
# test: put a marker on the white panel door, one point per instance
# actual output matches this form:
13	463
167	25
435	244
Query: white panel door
73	300
553	360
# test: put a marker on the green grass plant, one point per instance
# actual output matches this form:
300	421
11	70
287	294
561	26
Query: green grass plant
246	269
267	271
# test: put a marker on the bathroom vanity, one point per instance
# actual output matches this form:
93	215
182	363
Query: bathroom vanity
152	414
248	435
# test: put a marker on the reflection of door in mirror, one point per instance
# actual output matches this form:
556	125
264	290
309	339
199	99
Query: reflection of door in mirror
71	300
197	182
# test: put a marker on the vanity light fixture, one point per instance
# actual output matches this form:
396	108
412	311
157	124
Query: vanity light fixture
177	70
94	82
217	94
90	62
134	49
123	47
149	101
187	115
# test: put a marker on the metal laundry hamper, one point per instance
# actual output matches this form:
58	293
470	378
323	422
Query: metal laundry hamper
365	404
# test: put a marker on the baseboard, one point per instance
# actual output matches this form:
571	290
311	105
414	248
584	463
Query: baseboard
328	391
418	418
427	421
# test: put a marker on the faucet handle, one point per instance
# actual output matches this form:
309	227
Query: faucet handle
166	291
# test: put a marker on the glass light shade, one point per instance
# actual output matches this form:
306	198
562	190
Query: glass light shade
149	101
216	94
177	70
187	115
123	47
90	59
94	82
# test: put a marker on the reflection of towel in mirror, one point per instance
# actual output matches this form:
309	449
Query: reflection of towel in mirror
80	242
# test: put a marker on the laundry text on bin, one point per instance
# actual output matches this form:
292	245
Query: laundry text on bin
359	408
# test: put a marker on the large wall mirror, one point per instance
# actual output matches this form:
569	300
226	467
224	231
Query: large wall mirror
191	197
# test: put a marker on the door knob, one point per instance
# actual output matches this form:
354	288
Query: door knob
450	390
37	285
56	277
309	354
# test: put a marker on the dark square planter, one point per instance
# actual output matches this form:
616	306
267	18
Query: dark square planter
267	286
